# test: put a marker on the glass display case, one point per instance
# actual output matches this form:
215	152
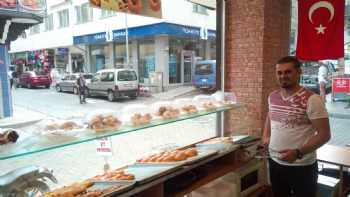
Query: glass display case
74	157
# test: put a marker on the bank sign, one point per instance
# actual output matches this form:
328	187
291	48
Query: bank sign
147	30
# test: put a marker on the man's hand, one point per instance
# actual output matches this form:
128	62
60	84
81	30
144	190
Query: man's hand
265	141
288	155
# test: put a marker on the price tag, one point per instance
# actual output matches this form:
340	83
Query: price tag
104	147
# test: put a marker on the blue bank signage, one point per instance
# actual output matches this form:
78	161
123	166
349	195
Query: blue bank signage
147	30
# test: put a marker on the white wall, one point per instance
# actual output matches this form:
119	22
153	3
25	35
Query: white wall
173	11
181	12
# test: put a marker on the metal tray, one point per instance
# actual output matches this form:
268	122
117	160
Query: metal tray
120	187
145	173
202	154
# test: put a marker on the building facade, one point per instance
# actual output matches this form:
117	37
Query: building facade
78	38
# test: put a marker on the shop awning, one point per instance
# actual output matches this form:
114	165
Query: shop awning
146	31
16	16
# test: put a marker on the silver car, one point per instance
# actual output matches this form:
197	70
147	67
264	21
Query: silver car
69	83
114	83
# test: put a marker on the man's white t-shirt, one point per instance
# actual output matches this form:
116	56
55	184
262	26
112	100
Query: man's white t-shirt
291	127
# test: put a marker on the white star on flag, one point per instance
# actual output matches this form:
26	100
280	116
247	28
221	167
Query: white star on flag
320	29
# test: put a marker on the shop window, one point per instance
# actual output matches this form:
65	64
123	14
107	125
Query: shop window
63	18
48	22
127	75
146	60
107	76
199	9
120	54
83	13
107	13
99	56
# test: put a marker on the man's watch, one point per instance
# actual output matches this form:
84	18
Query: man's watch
300	155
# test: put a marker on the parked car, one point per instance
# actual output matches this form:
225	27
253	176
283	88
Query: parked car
114	83
69	82
310	82
32	79
205	75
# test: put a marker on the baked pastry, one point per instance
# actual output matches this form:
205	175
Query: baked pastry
155	5
101	123
66	126
168	112
209	105
138	119
135	6
170	156
190	109
115	175
96	3
8	136
70	191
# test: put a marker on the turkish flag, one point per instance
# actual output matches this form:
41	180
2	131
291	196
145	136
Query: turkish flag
320	29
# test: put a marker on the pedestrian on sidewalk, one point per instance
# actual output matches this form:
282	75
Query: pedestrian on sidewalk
322	80
81	82
296	126
9	74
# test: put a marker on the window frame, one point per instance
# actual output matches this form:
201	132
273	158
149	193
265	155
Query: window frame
61	14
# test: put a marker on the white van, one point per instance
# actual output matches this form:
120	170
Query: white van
114	83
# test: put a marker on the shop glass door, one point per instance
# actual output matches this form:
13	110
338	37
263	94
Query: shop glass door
187	65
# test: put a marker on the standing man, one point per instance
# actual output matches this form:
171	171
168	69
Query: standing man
81	88
322	80
296	126
9	74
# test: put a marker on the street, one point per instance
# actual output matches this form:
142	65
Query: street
65	105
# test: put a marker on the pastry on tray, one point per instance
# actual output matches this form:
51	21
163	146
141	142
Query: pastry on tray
66	126
139	119
115	175
190	109
209	106
168	112
101	123
170	156
72	190
8	136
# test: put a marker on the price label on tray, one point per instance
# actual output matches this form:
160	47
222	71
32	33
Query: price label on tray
104	147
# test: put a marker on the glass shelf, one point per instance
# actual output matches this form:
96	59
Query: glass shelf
34	143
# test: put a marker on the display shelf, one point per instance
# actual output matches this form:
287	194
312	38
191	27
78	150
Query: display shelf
34	143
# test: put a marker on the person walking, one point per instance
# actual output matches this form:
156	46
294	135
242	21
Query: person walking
322	80
9	74
81	82
296	126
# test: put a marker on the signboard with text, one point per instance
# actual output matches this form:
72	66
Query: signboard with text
151	8
341	85
104	147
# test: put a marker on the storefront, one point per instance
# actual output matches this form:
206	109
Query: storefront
170	49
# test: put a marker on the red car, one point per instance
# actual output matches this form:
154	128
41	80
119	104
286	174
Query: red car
32	79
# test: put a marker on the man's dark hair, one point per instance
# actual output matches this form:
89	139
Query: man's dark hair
290	59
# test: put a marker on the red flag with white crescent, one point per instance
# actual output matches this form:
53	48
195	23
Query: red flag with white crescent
320	29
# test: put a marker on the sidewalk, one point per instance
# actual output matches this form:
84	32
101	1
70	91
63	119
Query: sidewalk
337	109
21	117
174	93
